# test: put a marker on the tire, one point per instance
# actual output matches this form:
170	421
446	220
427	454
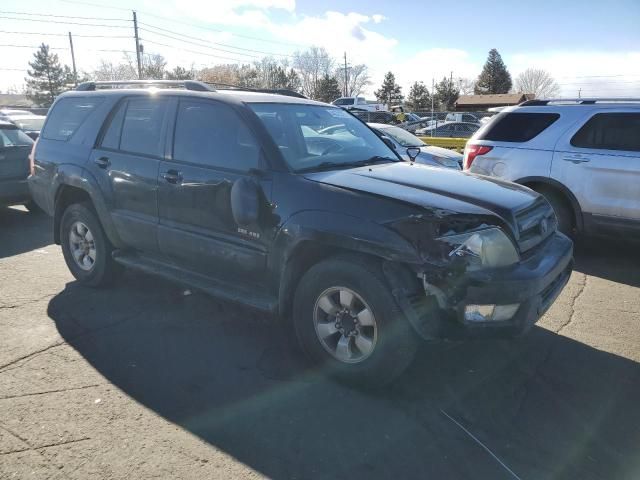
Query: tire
95	266
388	347
562	209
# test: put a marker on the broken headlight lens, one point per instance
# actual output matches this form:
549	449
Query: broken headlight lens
486	248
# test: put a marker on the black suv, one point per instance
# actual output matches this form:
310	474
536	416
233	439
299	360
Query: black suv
242	195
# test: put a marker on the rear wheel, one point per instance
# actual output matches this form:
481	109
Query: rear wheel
562	209
86	248
348	323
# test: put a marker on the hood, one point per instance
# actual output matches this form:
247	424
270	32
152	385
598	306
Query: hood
442	152
433	188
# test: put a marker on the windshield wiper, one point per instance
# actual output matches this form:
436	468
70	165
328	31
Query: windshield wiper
359	163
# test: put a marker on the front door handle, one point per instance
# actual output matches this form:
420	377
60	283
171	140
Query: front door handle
102	162
576	159
172	176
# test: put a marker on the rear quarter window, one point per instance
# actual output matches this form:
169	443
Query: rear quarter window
67	115
518	126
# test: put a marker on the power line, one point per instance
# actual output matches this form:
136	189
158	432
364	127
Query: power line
64	34
64	48
215	43
240	60
64	23
198	44
174	21
63	16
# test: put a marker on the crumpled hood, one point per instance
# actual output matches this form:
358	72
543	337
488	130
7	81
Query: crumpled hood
433	188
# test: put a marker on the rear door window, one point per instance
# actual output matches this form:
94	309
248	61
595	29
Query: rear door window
67	115
518	126
142	126
610	131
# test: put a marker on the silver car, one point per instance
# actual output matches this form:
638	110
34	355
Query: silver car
429	155
583	155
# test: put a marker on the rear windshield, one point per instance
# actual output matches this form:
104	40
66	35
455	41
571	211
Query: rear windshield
517	126
67	115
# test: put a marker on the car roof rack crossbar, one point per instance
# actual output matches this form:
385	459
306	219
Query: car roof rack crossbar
278	91
576	101
186	84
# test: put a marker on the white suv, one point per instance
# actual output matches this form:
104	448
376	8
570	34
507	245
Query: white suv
583	155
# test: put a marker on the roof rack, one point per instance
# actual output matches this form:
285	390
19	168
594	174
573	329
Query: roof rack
276	91
186	84
577	101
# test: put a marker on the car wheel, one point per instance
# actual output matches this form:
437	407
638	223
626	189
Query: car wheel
349	324
86	248
564	213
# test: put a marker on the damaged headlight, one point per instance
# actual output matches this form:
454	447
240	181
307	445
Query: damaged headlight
486	248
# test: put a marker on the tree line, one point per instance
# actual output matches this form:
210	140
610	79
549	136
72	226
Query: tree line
312	72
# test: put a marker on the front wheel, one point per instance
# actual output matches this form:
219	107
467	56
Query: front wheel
349	324
86	248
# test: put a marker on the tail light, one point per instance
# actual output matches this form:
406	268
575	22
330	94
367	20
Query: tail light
32	168
473	151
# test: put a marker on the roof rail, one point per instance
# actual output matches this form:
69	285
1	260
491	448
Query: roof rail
577	101
276	91
186	84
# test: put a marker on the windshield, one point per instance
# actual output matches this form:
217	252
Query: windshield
403	137
318	136
12	137
32	124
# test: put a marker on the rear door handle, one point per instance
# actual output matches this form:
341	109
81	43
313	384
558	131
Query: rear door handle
102	162
172	176
576	159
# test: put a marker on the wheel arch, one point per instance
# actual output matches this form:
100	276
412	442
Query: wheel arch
532	182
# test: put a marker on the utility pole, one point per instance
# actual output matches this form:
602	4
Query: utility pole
346	75
580	93
135	31
73	61
433	92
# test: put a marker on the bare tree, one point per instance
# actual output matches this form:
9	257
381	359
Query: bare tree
537	81
312	66
466	86
357	79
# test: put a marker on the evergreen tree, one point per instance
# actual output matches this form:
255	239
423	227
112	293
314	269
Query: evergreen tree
47	78
419	97
328	89
447	93
390	92
495	78
180	73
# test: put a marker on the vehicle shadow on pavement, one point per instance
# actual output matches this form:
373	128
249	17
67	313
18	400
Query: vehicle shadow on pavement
547	406
22	231
605	258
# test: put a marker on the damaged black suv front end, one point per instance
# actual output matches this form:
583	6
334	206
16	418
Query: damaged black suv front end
483	276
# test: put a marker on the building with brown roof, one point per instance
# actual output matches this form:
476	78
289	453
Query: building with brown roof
474	103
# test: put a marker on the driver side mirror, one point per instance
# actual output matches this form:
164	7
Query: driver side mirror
388	141
245	201
413	153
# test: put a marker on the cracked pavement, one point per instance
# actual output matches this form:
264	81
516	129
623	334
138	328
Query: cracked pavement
140	381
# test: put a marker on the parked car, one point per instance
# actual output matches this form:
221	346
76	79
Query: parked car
451	129
233	193
15	147
7	113
30	124
462	117
583	155
358	102
428	155
375	117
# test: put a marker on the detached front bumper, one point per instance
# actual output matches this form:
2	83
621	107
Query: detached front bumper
532	285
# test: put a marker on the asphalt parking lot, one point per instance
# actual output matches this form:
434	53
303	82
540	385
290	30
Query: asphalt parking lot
141	381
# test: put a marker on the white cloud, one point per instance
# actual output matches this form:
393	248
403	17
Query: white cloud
377	18
245	13
597	73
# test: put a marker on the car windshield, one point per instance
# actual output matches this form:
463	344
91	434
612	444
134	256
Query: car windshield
403	137
321	137
12	137
32	124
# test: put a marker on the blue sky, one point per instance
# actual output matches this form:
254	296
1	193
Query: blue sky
593	46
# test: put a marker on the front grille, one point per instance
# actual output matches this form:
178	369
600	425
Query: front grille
535	223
